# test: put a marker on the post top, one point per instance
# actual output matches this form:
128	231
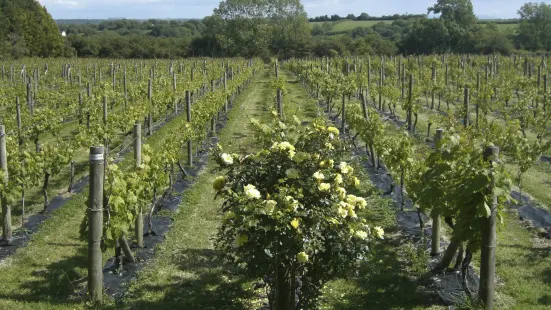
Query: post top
491	151
96	150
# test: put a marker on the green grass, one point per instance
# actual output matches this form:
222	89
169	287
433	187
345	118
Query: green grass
297	101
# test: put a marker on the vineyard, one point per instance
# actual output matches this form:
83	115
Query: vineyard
331	183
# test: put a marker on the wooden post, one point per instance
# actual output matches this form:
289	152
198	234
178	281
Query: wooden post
114	77
188	118
104	110
544	92
88	113
95	229
125	88
30	99
436	223
403	80
433	81
18	118
71	176
176	100
381	74
225	89
488	246
410	102
6	208
343	110
279	93
149	97
447	76
138	161
478	94
137	143
466	102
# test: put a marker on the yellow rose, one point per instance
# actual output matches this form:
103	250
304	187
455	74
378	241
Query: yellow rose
302	257
361	234
227	158
251	192
378	232
318	176
324	187
333	130
295	223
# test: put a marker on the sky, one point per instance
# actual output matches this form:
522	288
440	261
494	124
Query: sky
143	9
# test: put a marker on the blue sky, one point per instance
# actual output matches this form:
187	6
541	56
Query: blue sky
99	9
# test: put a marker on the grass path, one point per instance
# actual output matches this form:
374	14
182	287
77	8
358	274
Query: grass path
185	272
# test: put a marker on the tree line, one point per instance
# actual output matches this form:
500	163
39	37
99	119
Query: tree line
269	29
364	16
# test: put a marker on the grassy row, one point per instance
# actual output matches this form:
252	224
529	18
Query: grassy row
185	272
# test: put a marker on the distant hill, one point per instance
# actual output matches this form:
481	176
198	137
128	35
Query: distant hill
27	29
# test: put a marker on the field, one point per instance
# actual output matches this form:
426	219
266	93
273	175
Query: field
224	177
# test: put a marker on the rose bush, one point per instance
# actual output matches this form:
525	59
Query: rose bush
289	217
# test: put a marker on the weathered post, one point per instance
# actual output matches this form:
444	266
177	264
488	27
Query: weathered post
435	244
149	98
488	246
6	208
466	102
138	161
410	103
95	229
188	115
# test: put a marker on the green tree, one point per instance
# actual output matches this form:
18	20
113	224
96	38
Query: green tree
31	22
458	17
534	31
459	12
427	36
16	46
259	28
489	40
